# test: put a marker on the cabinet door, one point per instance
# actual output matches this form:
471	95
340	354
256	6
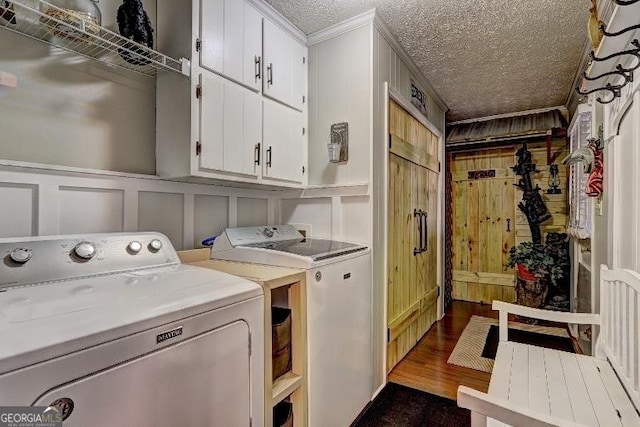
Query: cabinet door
283	140
231	36
298	75
252	48
211	123
277	63
230	126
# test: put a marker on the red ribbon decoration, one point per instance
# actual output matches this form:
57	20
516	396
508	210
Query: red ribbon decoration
595	187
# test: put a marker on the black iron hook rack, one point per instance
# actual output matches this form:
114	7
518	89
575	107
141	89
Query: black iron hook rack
625	73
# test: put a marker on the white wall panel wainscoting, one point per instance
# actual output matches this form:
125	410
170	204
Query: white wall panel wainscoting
622	178
37	202
342	214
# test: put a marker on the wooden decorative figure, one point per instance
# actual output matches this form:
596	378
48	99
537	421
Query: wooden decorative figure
532	204
534	264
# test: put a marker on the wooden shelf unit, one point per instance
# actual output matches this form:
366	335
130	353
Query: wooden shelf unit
293	384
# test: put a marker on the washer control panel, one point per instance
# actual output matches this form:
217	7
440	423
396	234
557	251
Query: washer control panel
43	259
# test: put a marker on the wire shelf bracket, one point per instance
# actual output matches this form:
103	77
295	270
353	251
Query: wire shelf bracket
68	30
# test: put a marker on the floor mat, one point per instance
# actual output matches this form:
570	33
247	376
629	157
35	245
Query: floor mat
524	337
470	346
400	406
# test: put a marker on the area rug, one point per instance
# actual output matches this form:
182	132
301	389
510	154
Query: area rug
400	406
478	338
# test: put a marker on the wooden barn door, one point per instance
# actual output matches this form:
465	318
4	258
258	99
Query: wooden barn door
412	290
484	224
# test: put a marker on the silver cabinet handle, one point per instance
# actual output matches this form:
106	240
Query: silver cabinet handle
258	60
270	74
256	154
269	157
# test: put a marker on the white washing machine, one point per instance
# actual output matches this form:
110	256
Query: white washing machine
339	314
114	331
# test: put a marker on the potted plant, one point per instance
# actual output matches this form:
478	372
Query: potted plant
536	266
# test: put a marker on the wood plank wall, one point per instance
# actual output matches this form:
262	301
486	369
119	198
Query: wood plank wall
480	208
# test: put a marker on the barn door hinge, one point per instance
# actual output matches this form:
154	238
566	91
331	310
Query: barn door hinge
198	148
198	45
199	91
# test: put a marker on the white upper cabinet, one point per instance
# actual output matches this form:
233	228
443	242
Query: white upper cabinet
230	127
224	122
283	139
230	41
284	67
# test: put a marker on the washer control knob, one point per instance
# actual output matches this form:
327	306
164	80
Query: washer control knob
155	245
84	250
20	255
267	232
134	247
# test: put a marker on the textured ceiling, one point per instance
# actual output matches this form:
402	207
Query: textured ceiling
483	57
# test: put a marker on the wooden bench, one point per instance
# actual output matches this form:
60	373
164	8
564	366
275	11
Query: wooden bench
534	387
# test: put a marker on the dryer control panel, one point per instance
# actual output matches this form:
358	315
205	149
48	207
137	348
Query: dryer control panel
46	259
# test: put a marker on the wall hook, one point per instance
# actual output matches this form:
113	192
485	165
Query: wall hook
617	33
614	89
635	52
622	72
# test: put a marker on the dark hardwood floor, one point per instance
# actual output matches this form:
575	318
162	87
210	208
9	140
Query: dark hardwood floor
425	367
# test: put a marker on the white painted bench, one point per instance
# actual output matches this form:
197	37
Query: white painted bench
537	387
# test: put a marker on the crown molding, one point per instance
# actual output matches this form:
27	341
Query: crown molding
341	28
573	99
274	16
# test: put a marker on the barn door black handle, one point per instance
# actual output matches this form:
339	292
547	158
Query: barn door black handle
508	225
424	230
418	214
